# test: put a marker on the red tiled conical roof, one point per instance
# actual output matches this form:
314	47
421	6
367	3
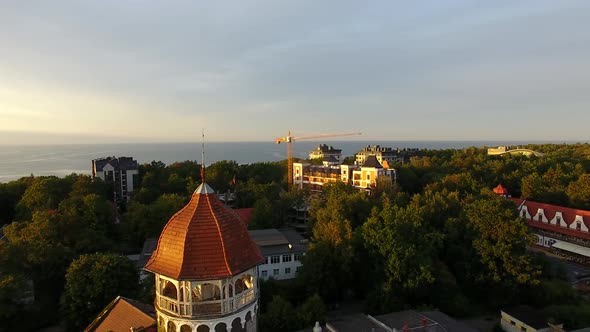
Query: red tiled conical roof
204	240
500	190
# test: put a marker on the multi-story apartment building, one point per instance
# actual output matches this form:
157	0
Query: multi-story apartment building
324	151
122	172
313	177
389	155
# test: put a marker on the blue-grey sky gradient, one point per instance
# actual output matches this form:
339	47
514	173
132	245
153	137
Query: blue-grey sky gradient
81	71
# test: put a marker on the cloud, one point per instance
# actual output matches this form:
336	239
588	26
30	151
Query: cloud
252	70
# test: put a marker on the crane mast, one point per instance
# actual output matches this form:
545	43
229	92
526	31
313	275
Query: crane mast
290	139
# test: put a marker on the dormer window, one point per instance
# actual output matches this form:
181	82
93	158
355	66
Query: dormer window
579	225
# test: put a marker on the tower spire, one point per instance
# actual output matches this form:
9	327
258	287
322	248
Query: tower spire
203	155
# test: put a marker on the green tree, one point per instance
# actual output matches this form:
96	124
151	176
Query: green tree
311	311
407	245
328	267
579	192
92	282
143	221
500	241
221	174
11	289
43	193
85	185
279	316
10	195
262	215
532	186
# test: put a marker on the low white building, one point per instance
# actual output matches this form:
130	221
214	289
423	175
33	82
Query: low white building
282	250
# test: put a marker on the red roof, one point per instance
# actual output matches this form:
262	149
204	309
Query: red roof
549	210
245	214
500	190
204	240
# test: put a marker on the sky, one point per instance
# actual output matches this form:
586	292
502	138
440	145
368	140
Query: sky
160	71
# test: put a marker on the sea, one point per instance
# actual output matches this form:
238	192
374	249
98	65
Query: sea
17	161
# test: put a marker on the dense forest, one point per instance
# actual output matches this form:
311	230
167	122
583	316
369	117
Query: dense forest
437	238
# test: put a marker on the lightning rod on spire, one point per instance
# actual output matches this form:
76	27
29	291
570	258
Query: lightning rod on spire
203	155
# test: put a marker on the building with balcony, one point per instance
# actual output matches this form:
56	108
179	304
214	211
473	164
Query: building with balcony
122	172
282	250
206	269
324	151
313	177
383	154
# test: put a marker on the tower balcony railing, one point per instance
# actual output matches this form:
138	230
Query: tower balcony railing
208	308
244	298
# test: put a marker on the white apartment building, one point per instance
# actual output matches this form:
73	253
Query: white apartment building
282	250
383	154
122	172
324	151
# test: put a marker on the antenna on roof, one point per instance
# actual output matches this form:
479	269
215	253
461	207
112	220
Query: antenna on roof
203	155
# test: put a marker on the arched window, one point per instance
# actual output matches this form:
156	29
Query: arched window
244	283
221	327
186	328
236	325
171	327
206	292
203	328
169	290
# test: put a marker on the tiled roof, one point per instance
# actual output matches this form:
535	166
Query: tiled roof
245	214
331	159
204	240
276	241
500	190
122	314
568	216
372	162
120	163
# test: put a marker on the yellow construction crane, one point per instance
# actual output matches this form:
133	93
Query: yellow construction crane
290	139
